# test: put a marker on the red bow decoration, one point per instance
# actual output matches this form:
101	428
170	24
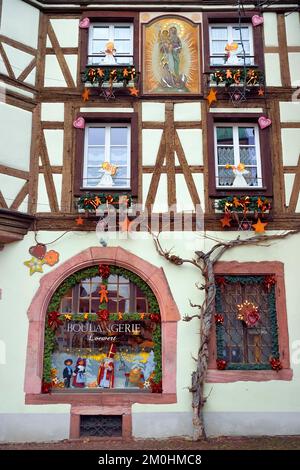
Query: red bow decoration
103	314
221	364
156	387
275	364
155	317
104	271
269	281
54	321
221	281
46	387
219	319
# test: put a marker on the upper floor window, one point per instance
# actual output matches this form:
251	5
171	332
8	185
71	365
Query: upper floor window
237	156
229	44
110	44
107	156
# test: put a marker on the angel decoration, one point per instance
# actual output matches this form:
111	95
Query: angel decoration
232	51
109	52
108	170
239	172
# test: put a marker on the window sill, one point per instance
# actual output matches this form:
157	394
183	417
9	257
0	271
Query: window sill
99	399
227	376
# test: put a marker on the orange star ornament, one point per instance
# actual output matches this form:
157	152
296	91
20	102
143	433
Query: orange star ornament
259	227
79	221
212	97
226	221
134	91
86	94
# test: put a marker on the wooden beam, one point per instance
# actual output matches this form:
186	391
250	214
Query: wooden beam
67	170
186	171
60	57
295	191
50	186
290	125
6	170
178	169
27	70
56	169
284	59
204	111
56	125
2	201
6	62
157	172
41	56
34	159
20	196
65	50
170	154
18	45
276	151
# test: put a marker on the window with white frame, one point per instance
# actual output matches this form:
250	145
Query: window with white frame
110	44
237	156
107	156
230	43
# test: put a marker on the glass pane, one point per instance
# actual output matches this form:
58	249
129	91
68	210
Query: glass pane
225	177
246	136
218	47
251	177
66	306
99	47
94	305
95	289
112	289
101	32
122	32
121	178
124	305
236	33
225	156
118	156
124	60
84	305
93	172
84	289
96	136
112	305
124	290
118	135
123	47
225	135
248	155
219	32
95	155
141	305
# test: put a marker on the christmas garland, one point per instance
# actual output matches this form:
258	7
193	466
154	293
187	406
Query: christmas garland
90	201
228	77
54	318
119	74
258	204
269	282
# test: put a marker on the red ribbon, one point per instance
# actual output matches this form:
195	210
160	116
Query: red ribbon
53	320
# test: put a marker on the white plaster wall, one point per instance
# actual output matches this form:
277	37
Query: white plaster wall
187	112
191	141
19	60
10	186
53	73
292	25
270	29
272	66
71	60
294	61
20	21
151	141
43	204
15	136
52	112
289	111
289	179
257	398
290	146
153	111
67	31
55	145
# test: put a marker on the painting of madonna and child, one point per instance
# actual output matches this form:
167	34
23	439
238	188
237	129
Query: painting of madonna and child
121	352
171	58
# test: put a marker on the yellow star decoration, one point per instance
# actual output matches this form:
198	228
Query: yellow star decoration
68	317
86	94
259	227
35	265
212	97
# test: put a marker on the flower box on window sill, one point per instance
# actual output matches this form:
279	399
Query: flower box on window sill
90	202
105	76
236	76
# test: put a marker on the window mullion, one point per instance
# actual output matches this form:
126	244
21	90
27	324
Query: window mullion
107	143
236	148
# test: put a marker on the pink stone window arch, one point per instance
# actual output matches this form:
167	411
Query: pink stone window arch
151	274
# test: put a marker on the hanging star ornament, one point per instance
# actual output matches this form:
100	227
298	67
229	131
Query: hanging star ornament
86	94
35	265
212	97
261	92
79	221
226	221
259	227
133	91
237	96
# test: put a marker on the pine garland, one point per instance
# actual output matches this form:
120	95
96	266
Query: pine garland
110	74
70	282
91	201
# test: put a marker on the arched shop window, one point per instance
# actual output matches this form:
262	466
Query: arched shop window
102	332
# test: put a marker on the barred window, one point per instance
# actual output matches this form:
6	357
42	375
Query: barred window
246	322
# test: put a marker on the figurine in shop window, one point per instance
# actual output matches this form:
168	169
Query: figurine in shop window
79	373
67	372
106	370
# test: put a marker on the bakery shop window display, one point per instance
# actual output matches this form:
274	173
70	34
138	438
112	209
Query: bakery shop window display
105	335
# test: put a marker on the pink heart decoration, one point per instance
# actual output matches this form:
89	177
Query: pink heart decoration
257	20
84	23
79	123
38	251
264	122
